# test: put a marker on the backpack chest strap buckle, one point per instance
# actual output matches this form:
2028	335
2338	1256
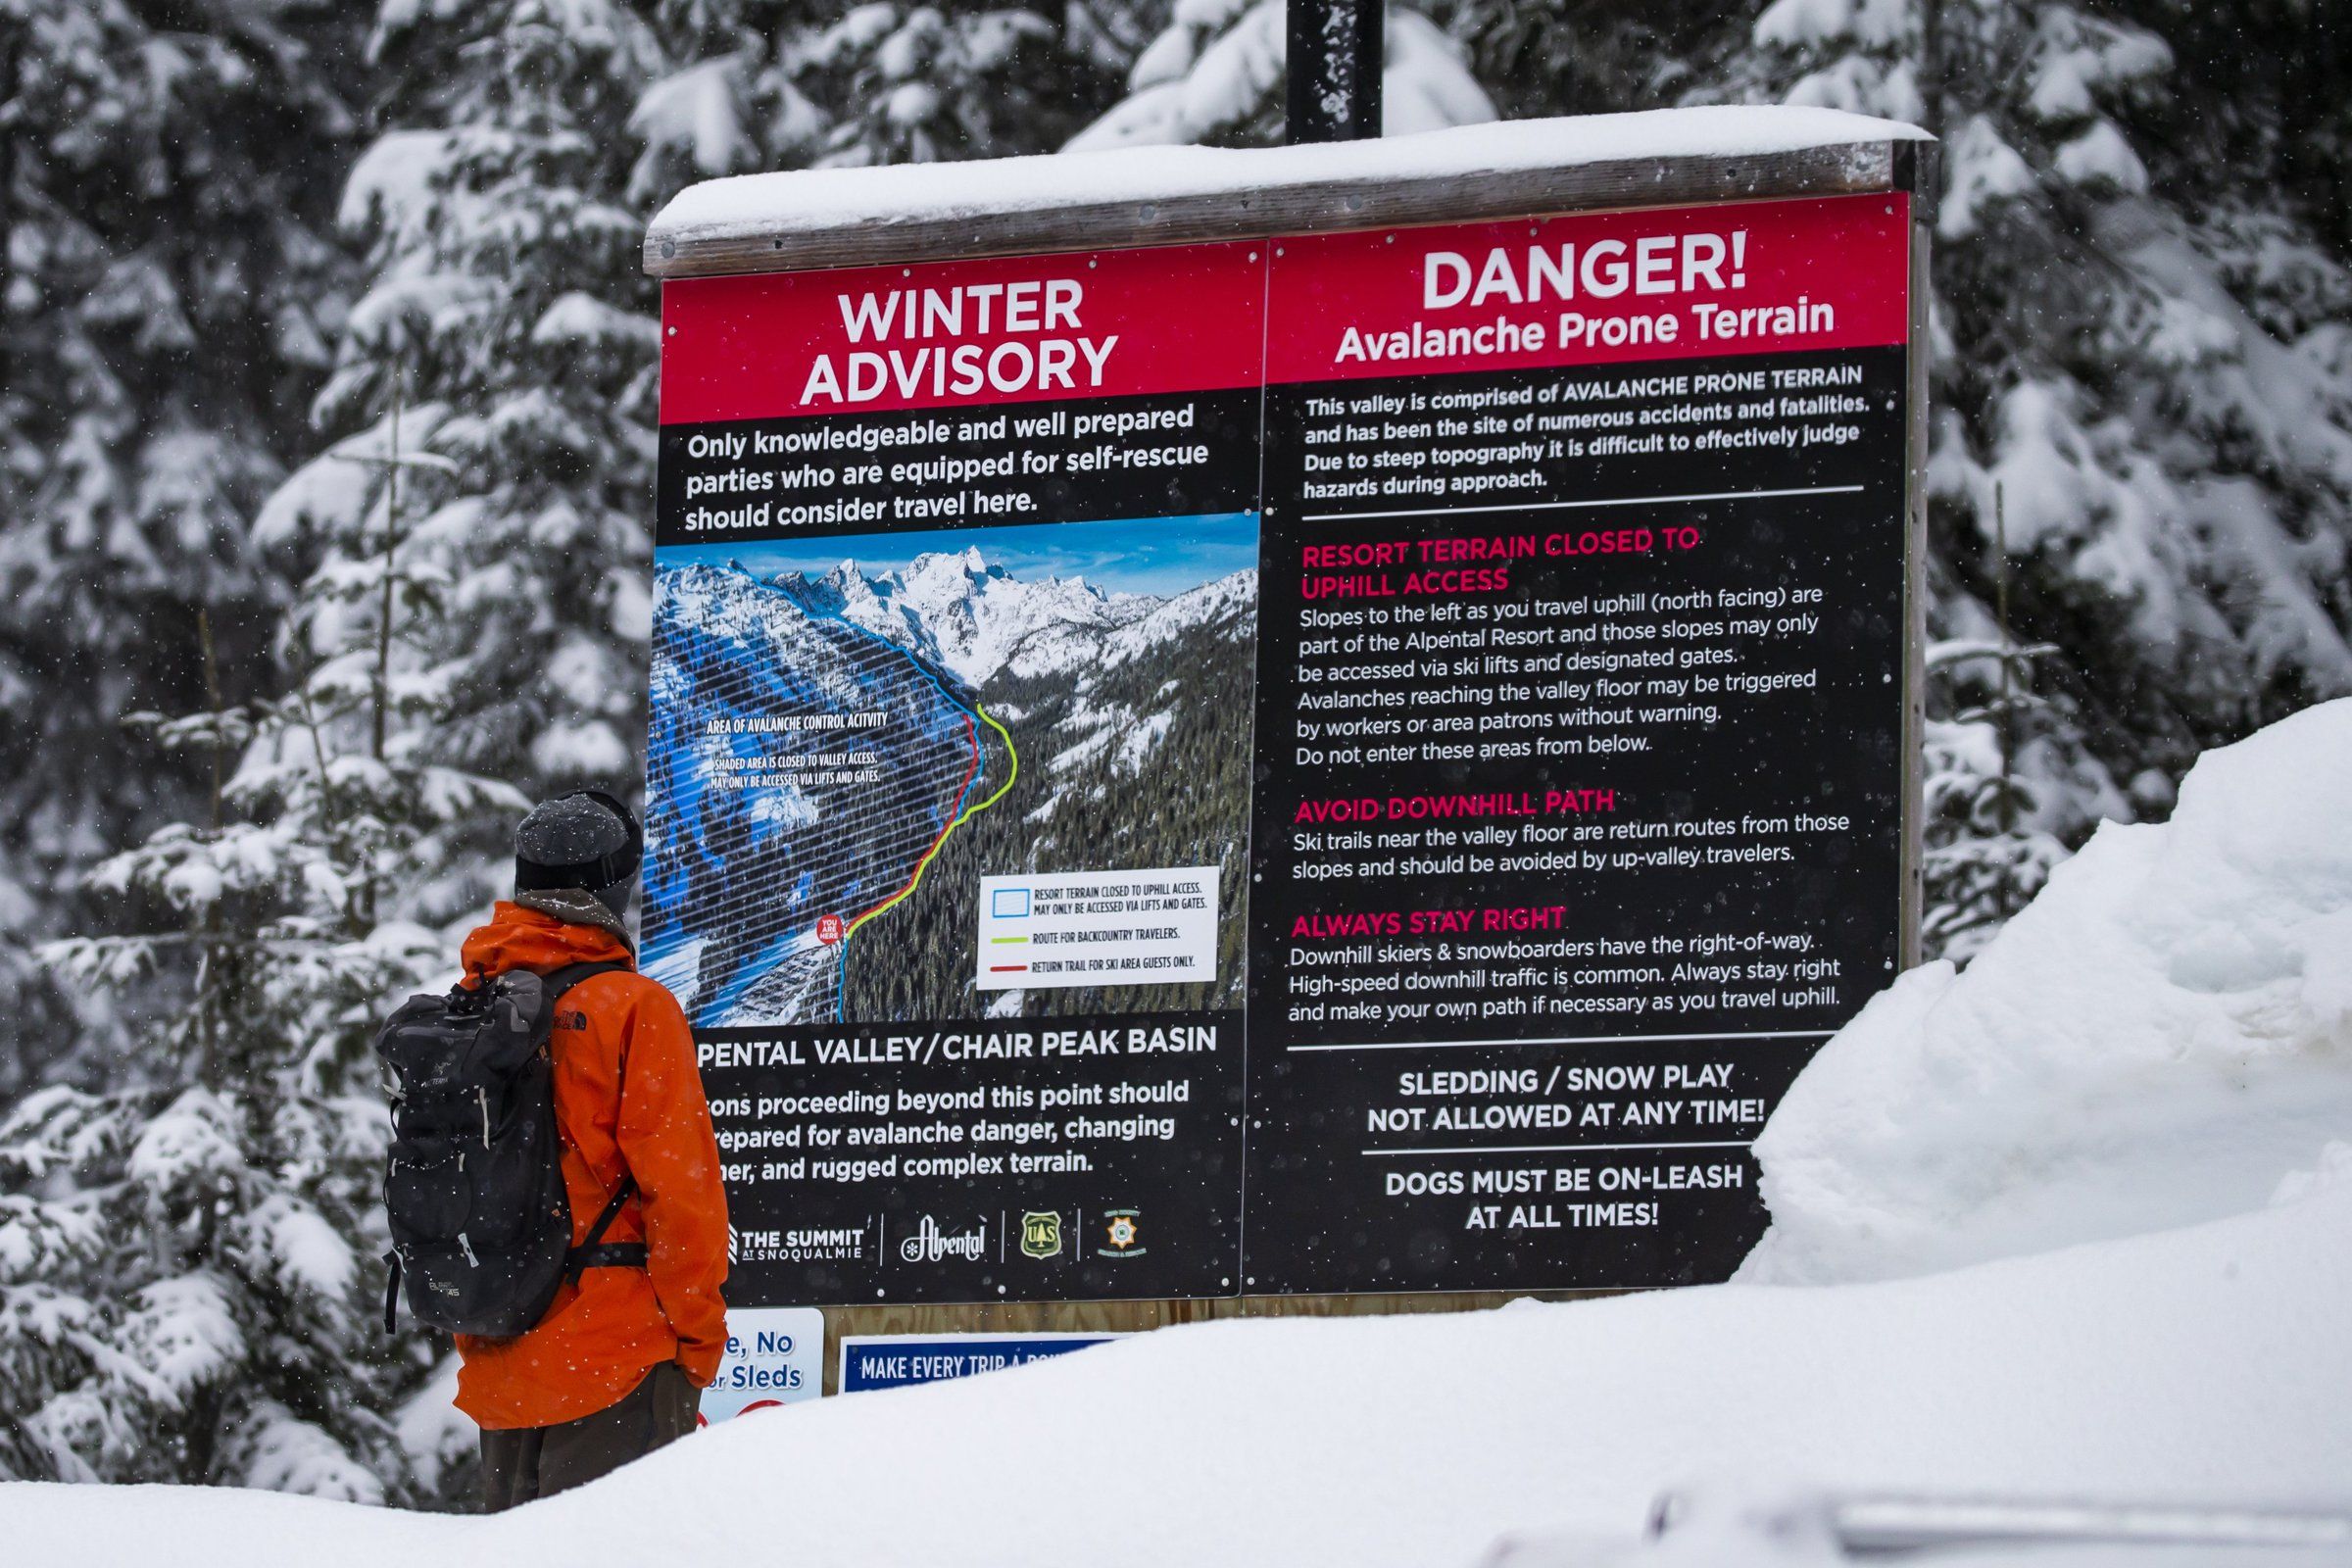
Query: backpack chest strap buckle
610	1254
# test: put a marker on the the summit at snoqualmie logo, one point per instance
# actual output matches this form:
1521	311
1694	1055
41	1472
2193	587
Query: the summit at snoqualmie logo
836	1244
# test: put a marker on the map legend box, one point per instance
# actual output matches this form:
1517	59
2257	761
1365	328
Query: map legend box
1099	928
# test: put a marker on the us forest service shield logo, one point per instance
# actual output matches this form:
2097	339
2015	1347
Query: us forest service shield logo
1041	1235
1122	1234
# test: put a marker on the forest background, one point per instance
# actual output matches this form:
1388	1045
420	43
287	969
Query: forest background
326	405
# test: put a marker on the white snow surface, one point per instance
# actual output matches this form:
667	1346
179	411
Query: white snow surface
2201	1363
814	201
2162	1037
2138	1091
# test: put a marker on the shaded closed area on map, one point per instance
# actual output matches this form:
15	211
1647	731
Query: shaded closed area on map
805	767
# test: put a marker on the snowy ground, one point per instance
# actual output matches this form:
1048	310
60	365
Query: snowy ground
2139	1090
2210	1362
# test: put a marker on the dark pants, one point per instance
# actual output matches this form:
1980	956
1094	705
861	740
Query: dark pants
526	1462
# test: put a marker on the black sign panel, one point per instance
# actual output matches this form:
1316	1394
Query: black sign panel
1580	724
1551	909
1067	1158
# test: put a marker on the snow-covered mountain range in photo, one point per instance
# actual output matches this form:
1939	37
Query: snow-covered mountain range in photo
968	615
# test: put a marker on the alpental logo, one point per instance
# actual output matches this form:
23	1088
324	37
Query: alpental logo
929	1243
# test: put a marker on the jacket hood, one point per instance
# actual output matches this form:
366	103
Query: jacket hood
517	938
573	908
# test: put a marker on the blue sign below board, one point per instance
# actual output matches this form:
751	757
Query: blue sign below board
900	1360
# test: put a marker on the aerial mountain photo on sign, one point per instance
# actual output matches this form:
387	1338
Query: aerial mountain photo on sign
883	729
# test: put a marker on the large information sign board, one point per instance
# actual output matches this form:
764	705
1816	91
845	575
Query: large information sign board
1349	761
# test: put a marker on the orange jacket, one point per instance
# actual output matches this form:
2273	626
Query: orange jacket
628	1101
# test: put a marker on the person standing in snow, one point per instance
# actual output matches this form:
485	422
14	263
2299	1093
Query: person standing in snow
617	1366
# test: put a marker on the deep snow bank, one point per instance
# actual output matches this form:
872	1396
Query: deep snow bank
2161	1038
2208	1362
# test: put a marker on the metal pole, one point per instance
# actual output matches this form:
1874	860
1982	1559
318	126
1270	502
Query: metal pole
1337	50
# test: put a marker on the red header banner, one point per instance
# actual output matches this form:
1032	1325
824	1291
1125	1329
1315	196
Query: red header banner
863	340
1736	278
1741	277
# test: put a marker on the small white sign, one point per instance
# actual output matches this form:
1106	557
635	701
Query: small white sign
1156	927
775	1356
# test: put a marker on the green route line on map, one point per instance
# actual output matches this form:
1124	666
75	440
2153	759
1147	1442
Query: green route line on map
970	813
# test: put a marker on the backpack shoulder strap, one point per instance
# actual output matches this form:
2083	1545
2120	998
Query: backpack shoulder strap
595	1251
557	981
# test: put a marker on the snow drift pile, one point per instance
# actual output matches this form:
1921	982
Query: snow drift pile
2199	1364
2161	1038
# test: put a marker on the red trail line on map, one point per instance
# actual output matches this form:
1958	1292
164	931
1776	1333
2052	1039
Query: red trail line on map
971	733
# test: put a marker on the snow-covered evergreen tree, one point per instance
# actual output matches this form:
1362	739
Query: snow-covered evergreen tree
917	83
1215	76
1986	857
165	295
201	1282
505	296
761	86
470	559
1582	57
2144	354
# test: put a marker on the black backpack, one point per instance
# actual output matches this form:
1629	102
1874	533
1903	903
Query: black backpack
481	1227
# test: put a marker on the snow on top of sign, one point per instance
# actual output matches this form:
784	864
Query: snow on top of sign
814	201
